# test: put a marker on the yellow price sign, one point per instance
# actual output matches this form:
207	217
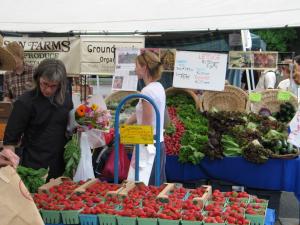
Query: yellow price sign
255	97
283	95
136	134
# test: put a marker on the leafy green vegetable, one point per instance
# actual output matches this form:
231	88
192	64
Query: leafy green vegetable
274	134
32	178
72	156
230	146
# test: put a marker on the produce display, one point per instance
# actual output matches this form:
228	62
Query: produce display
125	112
191	128
192	135
142	202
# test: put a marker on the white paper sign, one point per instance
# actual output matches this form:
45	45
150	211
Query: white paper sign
294	136
98	52
200	70
124	77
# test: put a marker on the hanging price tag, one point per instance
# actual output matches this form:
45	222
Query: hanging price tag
136	134
283	95
255	97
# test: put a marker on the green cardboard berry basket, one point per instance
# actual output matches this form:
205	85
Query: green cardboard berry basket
124	220
51	216
147	221
107	219
189	222
168	222
88	219
255	219
70	216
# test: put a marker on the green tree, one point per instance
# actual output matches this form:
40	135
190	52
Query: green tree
277	39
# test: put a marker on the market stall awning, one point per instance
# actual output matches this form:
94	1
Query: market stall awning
140	16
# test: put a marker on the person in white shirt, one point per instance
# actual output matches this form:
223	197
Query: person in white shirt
149	68
284	84
267	80
288	83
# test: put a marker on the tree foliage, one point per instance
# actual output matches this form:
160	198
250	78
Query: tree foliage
277	39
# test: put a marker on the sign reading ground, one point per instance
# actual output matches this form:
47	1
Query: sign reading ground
200	70
98	52
136	134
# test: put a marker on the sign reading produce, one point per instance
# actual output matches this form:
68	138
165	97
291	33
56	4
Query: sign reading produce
36	49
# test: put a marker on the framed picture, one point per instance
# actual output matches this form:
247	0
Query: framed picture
240	60
265	60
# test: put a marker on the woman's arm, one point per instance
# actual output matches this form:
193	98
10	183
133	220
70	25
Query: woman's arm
131	119
147	113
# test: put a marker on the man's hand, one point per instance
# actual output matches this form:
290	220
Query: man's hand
4	162
7	154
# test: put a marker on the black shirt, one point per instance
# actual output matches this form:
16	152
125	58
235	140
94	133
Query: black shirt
43	126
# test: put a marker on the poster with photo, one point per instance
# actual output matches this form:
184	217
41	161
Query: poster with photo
253	60
124	77
240	60
265	60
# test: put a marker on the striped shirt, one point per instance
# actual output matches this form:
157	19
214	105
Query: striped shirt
15	84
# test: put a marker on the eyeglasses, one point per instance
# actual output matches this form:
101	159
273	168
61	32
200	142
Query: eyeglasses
45	85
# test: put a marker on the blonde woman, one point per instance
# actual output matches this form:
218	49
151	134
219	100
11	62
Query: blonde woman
149	68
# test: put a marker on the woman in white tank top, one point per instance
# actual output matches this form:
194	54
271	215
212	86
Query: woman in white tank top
149	68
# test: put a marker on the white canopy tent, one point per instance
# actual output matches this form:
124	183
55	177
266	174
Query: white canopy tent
142	16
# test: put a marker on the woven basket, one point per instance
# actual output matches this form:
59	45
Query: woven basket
177	91
286	156
269	100
119	95
231	99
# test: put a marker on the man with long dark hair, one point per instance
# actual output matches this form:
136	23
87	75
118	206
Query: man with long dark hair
39	120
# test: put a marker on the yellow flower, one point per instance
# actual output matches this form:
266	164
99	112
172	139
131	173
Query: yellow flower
94	107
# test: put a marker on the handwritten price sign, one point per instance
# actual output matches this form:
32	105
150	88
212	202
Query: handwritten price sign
200	70
136	134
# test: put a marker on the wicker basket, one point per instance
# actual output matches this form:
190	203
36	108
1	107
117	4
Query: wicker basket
269	100
231	99
174	91
119	95
286	156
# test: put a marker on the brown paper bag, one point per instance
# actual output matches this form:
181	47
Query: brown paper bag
16	204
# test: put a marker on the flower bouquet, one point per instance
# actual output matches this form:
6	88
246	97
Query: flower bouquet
92	117
91	123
